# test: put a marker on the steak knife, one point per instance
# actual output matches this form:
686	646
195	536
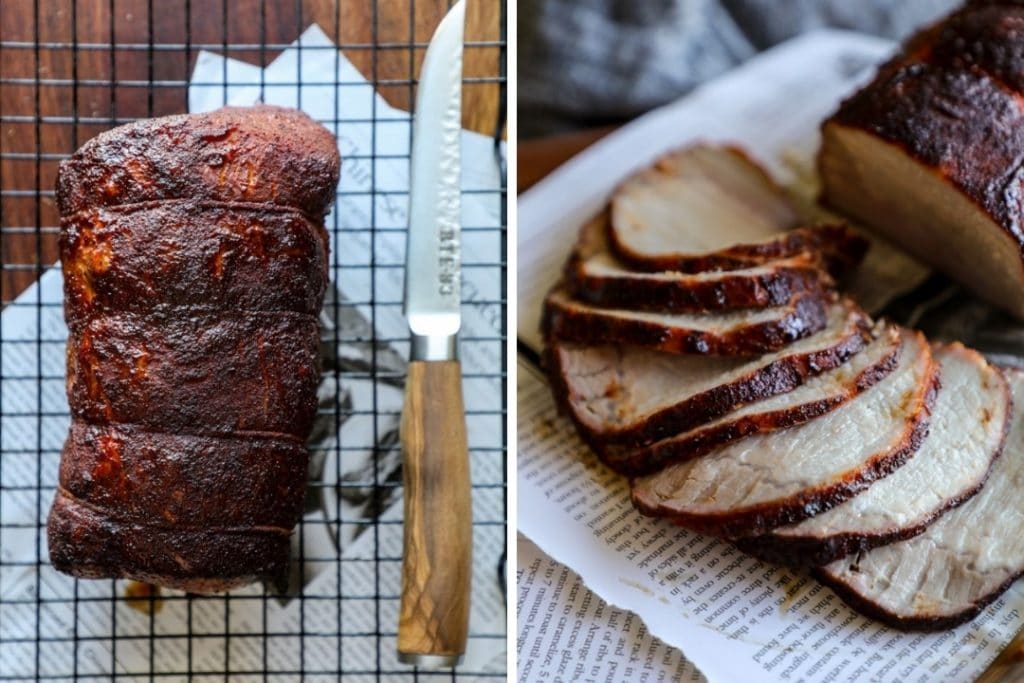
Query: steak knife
437	561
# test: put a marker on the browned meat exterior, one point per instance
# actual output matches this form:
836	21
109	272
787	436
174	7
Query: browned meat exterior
595	275
248	480
188	373
926	111
89	543
259	154
731	333
195	264
929	153
192	253
982	37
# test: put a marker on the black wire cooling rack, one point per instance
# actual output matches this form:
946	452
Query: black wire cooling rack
70	69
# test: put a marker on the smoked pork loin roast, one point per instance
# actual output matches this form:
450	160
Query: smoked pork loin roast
195	264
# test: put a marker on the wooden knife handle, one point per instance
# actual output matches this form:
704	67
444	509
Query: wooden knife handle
437	557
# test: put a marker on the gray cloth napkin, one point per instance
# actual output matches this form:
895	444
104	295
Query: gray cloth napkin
590	62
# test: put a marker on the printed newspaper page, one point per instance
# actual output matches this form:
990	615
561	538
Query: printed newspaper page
735	617
566	632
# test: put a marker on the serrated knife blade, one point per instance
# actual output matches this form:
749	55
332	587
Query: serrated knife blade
432	269
437	556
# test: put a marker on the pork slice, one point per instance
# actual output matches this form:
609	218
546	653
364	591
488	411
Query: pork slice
961	563
817	396
726	333
968	428
751	486
700	200
711	208
595	275
629	396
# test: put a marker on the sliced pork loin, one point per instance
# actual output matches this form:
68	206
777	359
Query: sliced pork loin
756	484
729	333
961	563
595	275
968	427
819	395
929	152
628	396
713	208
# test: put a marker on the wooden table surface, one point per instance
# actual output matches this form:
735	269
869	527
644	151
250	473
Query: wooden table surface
78	84
539	157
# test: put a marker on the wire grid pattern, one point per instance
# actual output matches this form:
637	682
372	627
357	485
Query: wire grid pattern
69	70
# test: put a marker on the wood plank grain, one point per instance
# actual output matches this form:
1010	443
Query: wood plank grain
539	157
385	39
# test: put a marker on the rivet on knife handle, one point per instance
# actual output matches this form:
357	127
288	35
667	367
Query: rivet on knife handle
437	558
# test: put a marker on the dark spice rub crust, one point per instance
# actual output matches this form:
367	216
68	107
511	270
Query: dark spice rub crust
138	476
980	37
188	373
90	544
259	154
567	320
221	256
775	288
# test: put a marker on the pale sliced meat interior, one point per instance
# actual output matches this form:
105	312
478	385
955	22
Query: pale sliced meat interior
967	428
615	387
816	396
960	563
807	462
699	200
911	203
